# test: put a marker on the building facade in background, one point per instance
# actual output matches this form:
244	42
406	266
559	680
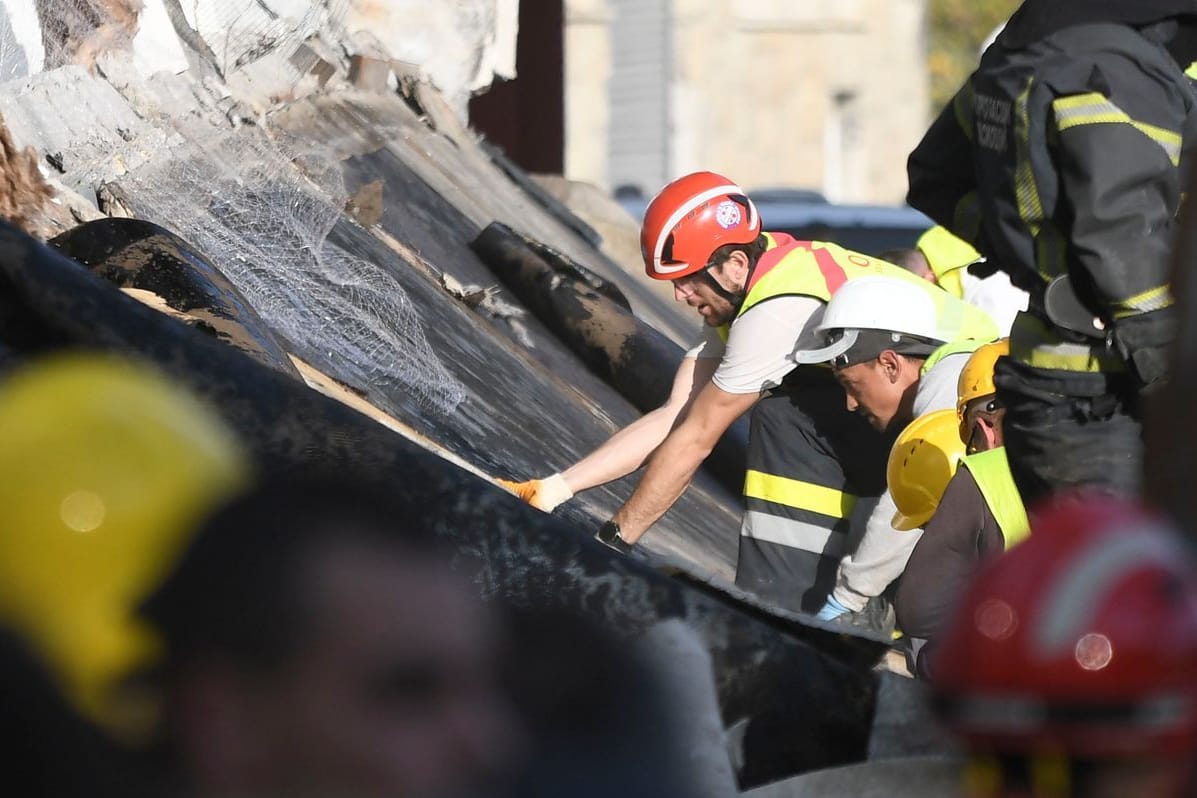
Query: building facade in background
824	94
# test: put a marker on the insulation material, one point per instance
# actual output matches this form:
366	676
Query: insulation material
265	224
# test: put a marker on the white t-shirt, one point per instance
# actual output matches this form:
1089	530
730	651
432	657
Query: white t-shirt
760	343
996	296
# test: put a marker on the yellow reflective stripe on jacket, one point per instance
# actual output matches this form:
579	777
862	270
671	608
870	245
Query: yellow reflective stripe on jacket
1156	298
1191	71
1030	208
1096	109
798	494
991	472
1034	343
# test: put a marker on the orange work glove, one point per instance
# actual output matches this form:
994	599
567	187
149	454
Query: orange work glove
543	494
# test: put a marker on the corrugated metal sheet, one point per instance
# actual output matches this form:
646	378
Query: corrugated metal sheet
641	54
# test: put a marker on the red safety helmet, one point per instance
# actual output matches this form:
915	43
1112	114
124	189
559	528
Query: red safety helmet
691	218
1081	641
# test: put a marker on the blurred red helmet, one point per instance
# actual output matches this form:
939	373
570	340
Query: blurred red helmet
691	218
1082	640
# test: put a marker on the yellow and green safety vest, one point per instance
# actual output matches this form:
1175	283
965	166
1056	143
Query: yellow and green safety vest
991	471
818	268
948	257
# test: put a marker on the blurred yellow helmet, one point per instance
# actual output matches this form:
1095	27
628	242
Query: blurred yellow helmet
105	468
976	378
921	464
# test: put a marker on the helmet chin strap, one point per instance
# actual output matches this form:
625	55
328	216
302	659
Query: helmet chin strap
736	298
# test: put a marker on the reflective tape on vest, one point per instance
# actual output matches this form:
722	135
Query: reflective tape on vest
793	534
798	494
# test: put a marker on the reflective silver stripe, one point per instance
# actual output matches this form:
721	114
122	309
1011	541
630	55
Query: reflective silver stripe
1152	299
795	534
1095	109
1087	108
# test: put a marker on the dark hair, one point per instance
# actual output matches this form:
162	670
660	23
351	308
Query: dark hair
237	590
752	251
912	260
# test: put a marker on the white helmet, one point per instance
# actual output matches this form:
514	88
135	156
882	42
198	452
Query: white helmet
901	311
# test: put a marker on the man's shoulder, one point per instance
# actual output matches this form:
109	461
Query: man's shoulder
1094	57
949	366
784	310
937	386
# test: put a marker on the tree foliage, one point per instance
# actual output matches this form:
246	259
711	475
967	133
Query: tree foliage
956	31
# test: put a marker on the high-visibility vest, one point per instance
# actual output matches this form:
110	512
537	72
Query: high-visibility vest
948	257
962	346
991	471
818	268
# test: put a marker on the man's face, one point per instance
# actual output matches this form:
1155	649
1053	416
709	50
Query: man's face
876	389
697	292
394	692
984	423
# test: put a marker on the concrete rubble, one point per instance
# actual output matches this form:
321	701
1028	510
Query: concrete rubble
359	129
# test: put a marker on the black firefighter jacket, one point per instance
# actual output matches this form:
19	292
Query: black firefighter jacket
1062	157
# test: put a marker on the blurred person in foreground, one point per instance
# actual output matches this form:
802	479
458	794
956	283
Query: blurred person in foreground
106	467
1070	667
318	643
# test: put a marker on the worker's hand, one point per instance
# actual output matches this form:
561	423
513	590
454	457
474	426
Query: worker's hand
831	610
543	494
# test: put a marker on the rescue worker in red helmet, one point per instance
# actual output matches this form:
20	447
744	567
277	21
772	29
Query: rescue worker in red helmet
1070	667
809	458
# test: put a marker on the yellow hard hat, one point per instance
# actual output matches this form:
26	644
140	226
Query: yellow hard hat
976	378
105	468
921	464
947	255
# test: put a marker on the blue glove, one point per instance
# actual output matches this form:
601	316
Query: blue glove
831	610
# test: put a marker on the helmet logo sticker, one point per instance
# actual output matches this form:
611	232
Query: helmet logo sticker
727	214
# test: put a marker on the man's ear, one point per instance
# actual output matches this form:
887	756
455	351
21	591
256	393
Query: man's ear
891	364
736	266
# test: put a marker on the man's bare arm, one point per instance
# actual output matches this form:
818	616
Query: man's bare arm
626	450
674	462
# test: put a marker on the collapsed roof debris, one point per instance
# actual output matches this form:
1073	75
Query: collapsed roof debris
342	218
